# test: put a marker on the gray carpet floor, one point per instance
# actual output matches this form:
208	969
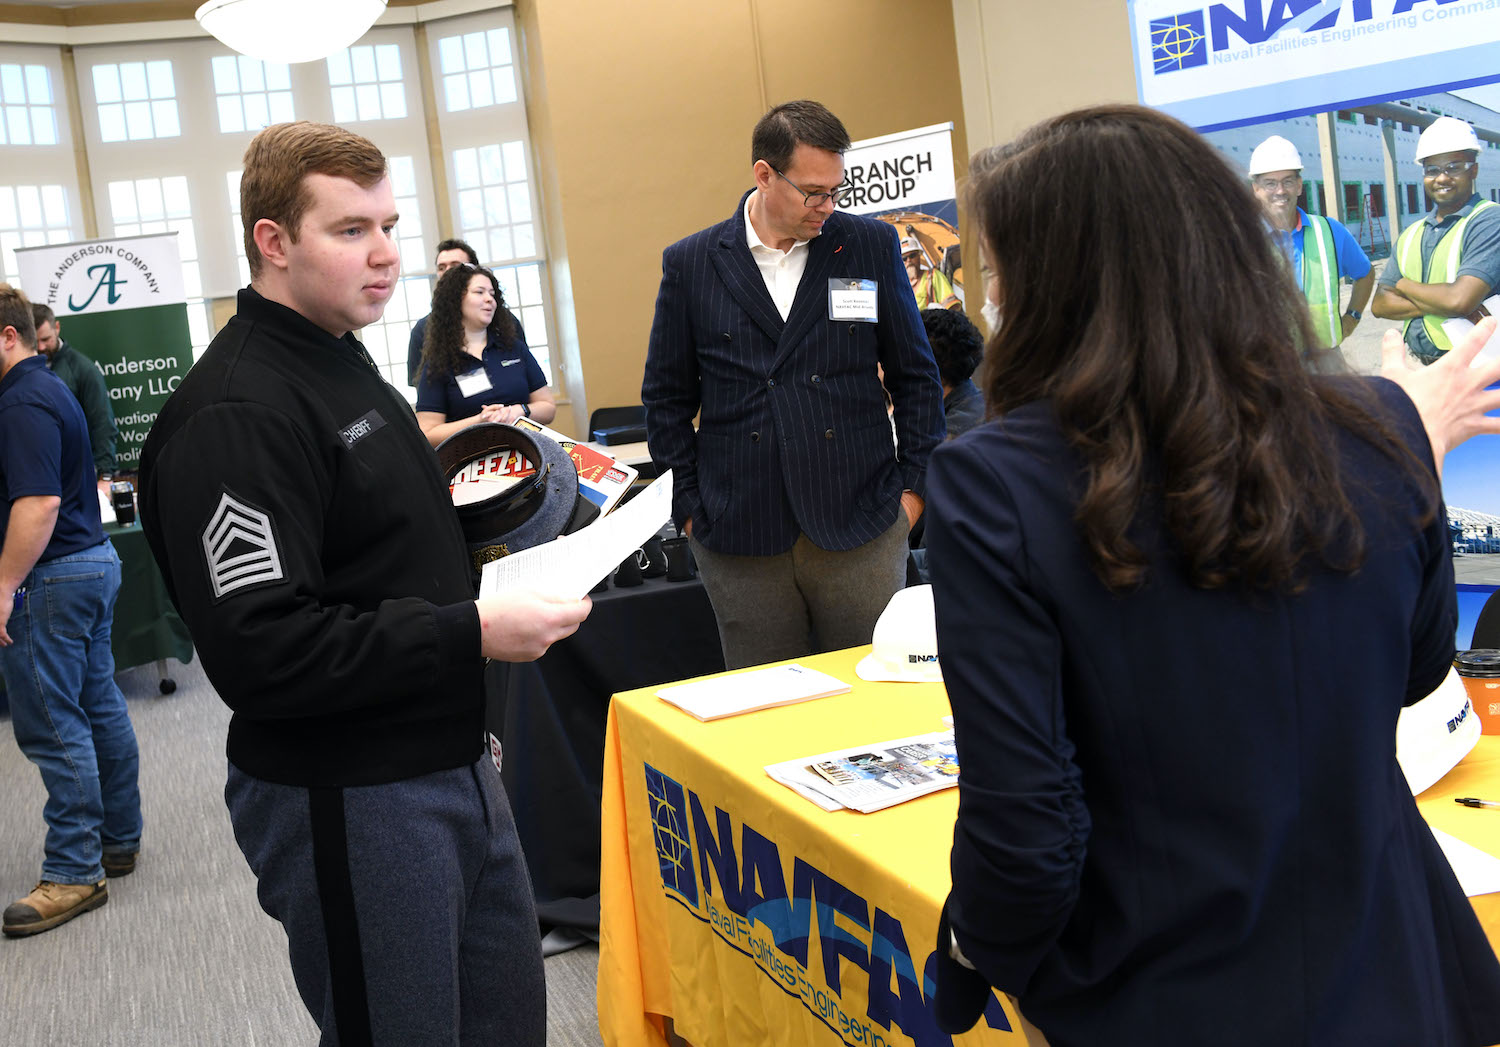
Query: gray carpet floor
182	954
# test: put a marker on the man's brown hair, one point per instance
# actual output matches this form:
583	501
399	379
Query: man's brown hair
277	163
15	311
41	313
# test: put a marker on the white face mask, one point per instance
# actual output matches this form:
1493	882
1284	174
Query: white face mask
991	314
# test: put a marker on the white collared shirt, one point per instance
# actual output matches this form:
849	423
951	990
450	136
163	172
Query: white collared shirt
781	270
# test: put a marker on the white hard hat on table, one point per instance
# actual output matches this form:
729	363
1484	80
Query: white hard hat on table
1446	135
1275	154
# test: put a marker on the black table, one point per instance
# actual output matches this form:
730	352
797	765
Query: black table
550	717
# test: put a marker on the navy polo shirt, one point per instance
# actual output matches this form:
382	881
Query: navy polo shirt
513	376
44	450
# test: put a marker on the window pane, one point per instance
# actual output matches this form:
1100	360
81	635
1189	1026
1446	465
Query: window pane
388	61
231	119
363	59
256	112
505	84
507	279
520	203
54	205
112	123
106	83
17	125
369	101
490	171
29	201
515	162
495	211
471	209
175	195
413	259
403	176
451	54
122	202
466	168
344	109
529	283
525	240
12	85
187	243
281	107
138	119
474	56
456	91
160	76
481	89
499	46
43	126
500	245
133	80
226	80
278	76
535	322
165	115
148	195
8	208
393	100
252	74
338	69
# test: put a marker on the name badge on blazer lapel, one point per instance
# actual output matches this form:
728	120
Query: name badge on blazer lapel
853	299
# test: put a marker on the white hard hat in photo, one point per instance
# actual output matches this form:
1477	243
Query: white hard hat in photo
1275	154
1446	135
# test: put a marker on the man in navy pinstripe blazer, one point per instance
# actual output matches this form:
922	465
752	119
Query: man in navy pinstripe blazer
770	326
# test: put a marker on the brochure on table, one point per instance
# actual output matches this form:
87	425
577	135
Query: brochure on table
868	778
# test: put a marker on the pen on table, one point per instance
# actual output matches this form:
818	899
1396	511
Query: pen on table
1469	801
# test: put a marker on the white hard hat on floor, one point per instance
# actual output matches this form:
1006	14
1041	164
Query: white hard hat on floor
1275	154
1446	135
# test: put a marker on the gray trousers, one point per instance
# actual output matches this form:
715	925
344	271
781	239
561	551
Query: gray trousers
407	907
803	601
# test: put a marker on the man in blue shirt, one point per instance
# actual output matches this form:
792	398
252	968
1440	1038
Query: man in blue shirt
58	582
1319	250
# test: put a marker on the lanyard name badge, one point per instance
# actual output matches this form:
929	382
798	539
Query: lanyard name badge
853	299
475	382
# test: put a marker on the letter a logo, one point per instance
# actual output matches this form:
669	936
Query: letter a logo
106	279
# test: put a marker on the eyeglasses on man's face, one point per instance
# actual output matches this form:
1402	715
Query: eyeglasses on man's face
839	196
1452	169
1292	185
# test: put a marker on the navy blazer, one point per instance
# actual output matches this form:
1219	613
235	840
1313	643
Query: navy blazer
1181	820
793	435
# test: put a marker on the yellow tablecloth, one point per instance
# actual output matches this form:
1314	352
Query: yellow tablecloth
748	915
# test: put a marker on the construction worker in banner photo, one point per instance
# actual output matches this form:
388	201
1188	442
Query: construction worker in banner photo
1319	249
1445	264
932	288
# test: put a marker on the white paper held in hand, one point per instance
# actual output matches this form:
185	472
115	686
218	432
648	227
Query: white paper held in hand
572	565
1457	327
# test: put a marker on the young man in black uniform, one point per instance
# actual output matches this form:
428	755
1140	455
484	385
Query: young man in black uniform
308	538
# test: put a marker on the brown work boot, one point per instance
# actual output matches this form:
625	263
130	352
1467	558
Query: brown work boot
50	904
119	863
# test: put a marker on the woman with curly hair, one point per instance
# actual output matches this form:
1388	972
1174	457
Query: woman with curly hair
475	364
1184	585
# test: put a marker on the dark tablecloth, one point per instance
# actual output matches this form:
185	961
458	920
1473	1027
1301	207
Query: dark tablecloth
550	718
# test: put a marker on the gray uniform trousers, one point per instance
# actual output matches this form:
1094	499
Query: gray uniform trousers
407	906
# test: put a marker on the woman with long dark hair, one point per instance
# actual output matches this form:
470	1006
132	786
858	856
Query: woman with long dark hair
1184	586
475	363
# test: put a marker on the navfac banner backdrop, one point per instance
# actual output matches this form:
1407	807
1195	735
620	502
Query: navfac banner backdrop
121	303
1217	65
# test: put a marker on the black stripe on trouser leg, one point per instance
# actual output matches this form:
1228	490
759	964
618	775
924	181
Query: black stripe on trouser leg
346	966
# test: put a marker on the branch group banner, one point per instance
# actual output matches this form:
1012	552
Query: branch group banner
120	303
1217	65
906	180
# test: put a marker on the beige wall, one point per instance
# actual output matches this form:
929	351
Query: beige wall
1021	62
641	116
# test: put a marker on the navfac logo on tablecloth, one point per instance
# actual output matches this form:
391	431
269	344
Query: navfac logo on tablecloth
1178	42
674	849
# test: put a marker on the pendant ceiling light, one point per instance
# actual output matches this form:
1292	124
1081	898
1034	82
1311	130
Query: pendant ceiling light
289	30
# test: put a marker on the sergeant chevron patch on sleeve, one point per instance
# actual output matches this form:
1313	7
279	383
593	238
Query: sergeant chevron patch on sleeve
239	546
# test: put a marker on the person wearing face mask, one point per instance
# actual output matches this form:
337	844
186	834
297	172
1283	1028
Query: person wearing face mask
1319	250
475	363
1445	264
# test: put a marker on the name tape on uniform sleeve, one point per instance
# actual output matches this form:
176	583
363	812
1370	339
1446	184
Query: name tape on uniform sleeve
239	546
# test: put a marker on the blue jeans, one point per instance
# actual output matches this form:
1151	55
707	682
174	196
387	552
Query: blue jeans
69	717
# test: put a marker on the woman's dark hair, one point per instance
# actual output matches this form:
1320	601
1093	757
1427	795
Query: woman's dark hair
956	344
443	343
803	122
1143	297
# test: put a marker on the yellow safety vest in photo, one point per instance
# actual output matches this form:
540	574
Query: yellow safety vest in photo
1441	268
1320	280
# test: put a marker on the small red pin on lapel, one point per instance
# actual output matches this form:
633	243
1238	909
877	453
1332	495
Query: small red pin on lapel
839	248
